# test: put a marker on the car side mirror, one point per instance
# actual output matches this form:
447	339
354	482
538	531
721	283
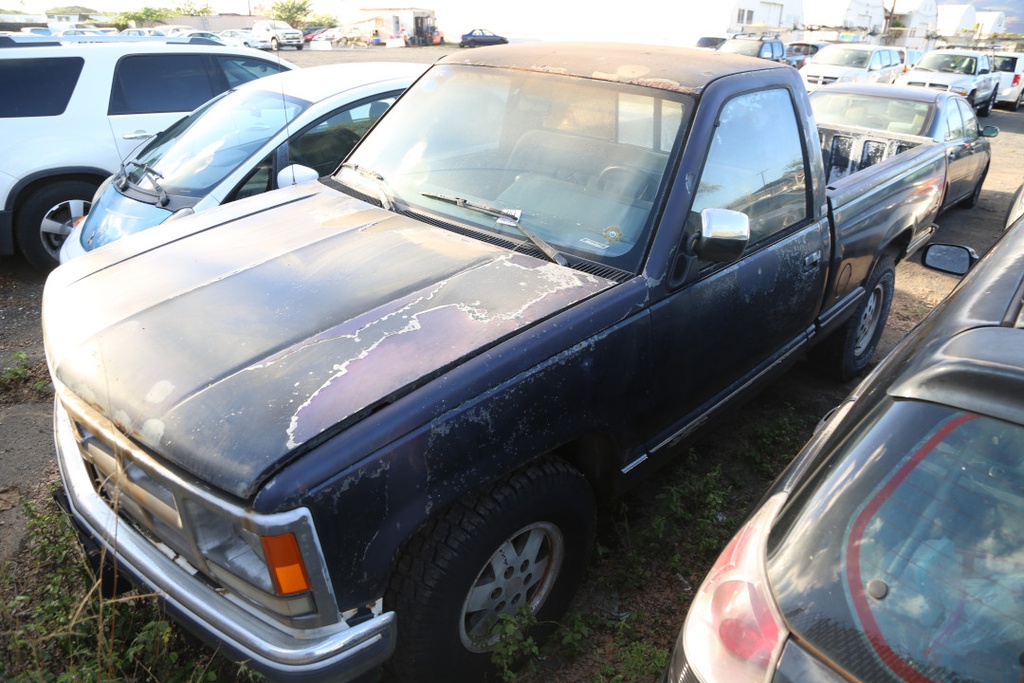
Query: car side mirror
949	258
983	72
724	235
989	131
295	174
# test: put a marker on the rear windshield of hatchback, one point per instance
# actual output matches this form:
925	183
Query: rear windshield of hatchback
37	87
902	558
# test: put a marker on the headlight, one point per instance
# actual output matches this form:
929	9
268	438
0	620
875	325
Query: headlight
265	565
959	89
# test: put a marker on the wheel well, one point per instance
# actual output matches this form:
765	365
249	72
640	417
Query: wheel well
897	248
597	458
37	183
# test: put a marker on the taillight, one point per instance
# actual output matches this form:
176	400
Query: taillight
734	632
1016	80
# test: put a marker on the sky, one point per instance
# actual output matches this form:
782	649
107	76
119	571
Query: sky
652	21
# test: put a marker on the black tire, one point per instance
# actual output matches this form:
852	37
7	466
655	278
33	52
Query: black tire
987	109
846	352
45	218
971	200
274	45
1015	105
447	593
299	47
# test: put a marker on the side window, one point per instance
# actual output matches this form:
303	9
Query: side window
755	164
954	124
240	69
37	87
969	118
778	51
876	60
324	146
149	84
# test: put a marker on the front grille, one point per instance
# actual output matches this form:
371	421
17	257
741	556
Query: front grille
926	84
821	80
201	532
124	476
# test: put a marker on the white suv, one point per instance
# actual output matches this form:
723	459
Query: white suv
72	111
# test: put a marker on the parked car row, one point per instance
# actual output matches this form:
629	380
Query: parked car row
984	79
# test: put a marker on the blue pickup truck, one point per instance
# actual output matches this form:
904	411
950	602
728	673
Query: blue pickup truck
359	419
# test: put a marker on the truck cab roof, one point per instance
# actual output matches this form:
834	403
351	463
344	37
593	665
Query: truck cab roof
682	69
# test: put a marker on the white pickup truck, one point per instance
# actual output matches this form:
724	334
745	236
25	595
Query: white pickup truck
964	72
279	33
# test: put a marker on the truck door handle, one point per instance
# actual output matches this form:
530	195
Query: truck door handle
811	260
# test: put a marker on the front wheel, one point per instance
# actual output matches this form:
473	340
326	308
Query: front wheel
523	543
846	352
274	45
46	218
299	46
987	109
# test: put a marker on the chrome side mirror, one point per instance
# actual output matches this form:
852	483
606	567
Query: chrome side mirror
724	235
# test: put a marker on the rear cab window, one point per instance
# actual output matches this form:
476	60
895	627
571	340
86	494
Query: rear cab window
38	87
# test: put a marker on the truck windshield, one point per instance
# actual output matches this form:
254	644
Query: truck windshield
582	162
196	153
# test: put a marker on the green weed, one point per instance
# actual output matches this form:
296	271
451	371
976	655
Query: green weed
57	627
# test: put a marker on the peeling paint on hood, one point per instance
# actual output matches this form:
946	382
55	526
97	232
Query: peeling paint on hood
226	349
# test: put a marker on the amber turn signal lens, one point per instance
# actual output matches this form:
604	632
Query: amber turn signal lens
285	563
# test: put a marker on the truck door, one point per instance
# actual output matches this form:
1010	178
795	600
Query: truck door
734	322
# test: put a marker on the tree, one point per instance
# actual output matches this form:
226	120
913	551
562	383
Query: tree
147	16
293	12
321	20
189	9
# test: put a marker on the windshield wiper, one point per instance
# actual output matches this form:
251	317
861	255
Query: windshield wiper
154	177
505	217
387	200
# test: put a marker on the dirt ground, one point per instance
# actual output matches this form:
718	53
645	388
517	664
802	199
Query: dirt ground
26	443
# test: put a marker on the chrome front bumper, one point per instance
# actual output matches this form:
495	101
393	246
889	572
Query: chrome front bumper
337	653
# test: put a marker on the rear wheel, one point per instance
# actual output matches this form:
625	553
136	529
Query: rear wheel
1015	105
46	218
846	352
523	543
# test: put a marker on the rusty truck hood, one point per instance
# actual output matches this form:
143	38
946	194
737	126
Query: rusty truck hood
228	344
